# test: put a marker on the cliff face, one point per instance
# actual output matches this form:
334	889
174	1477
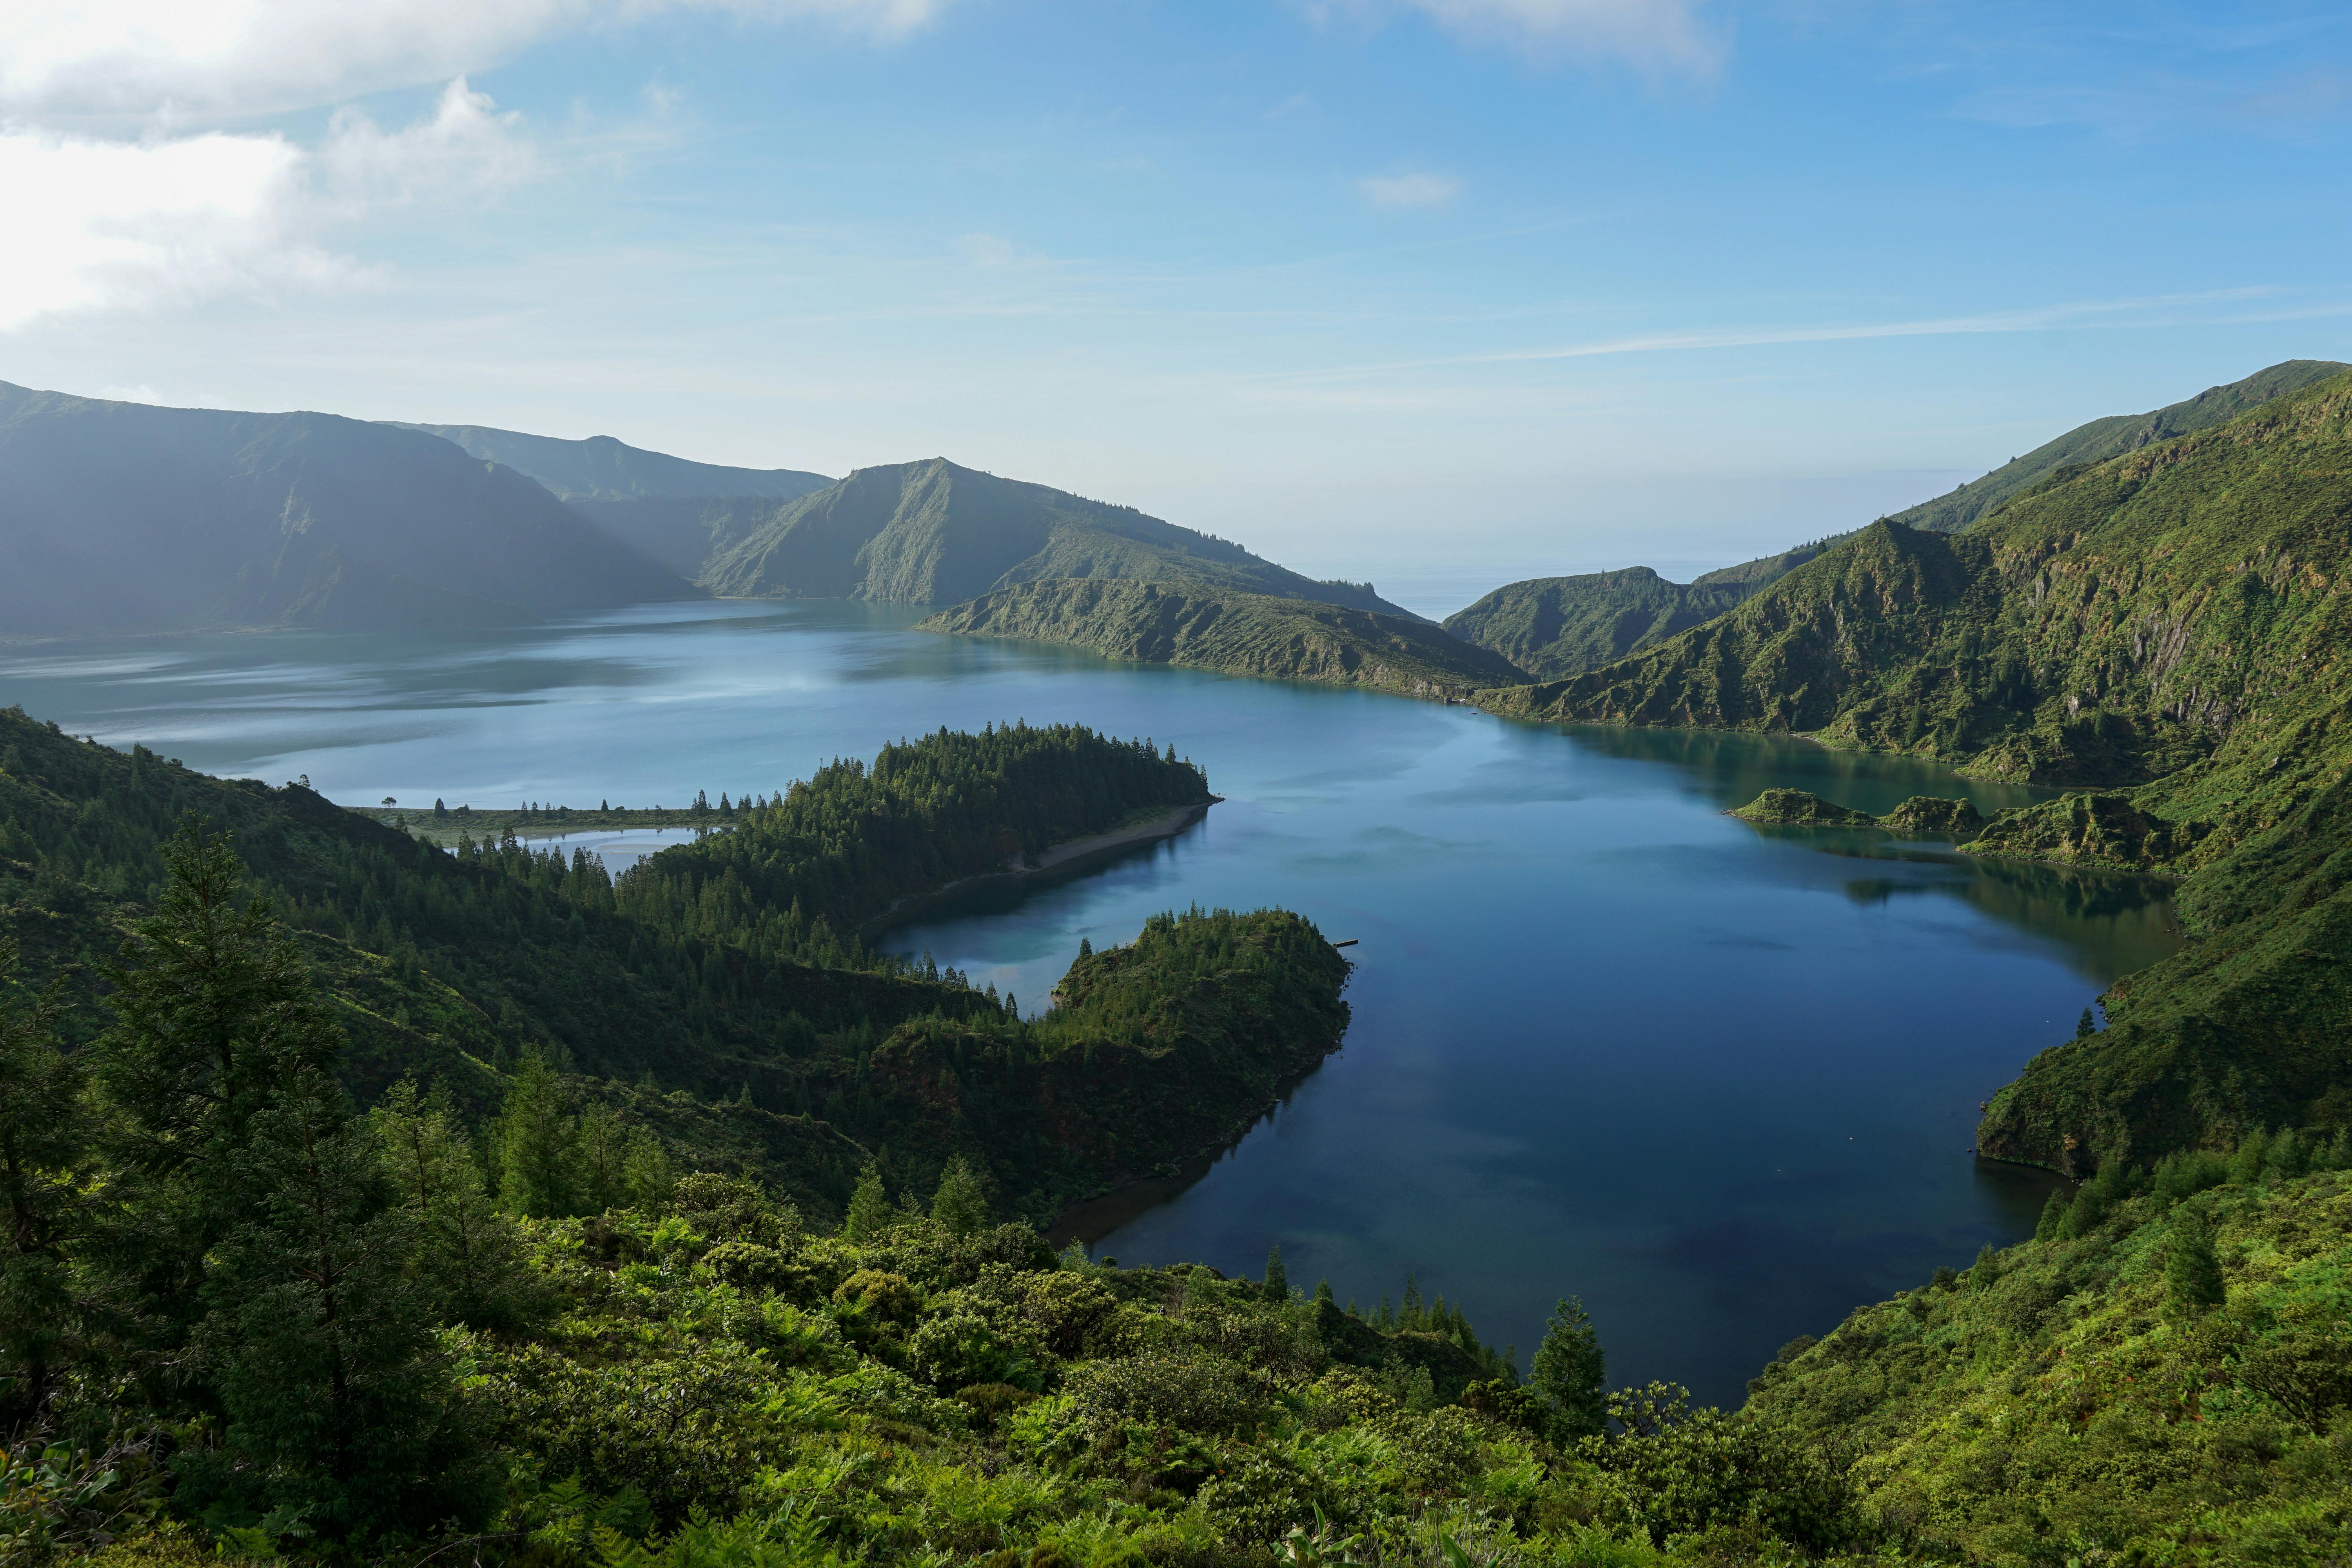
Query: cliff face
1238	634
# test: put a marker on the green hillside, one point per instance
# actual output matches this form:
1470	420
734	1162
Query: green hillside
123	517
1555	627
2112	437
2165	630
2163	1377
934	533
1238	634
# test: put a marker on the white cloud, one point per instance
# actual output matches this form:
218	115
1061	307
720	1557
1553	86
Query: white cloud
1655	36
1409	192
236	57
131	225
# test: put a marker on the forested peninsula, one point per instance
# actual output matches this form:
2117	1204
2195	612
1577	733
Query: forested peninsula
1204	627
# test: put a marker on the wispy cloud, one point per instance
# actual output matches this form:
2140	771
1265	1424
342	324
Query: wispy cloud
1659	37
1409	192
2154	310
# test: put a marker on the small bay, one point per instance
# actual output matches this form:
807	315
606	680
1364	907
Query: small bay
1718	1081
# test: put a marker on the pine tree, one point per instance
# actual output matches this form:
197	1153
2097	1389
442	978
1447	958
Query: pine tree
1277	1282
2193	1269
1569	1371
2054	1217
540	1155
214	1016
961	1206
1323	1292
2085	1025
466	1255
44	1185
320	1340
869	1209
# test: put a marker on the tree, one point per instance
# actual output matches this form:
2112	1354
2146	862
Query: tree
1278	1283
1568	1371
960	1204
214	1018
2085	1025
869	1209
2054	1217
339	1406
2193	1269
538	1144
45	1179
466	1254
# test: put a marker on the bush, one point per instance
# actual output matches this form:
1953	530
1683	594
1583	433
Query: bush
1198	1394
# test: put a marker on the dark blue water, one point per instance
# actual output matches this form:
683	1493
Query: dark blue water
1718	1081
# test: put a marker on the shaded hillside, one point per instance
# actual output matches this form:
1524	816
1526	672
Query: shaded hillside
934	533
2171	624
679	512
1238	634
123	517
714	995
1555	627
602	469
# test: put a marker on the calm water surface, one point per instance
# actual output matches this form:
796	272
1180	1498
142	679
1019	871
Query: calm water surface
1718	1081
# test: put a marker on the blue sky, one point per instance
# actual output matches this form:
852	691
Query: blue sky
1516	284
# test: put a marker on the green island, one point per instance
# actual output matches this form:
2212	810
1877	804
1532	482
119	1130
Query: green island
1205	627
1921	815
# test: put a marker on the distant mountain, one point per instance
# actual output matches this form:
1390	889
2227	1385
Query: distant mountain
1562	626
935	534
1238	634
601	469
677	511
124	516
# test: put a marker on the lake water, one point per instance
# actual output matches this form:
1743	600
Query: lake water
1718	1081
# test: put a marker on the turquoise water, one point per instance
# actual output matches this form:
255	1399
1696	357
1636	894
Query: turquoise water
1718	1081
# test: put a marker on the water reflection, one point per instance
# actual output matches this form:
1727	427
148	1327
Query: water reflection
1720	1081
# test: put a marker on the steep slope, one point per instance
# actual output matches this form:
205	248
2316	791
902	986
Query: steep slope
123	517
1561	626
1239	634
2077	1398
602	469
934	533
2173	619
1555	627
2113	436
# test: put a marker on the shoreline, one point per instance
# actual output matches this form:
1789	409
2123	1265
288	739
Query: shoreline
1058	857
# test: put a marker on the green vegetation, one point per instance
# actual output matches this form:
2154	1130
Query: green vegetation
1557	628
1553	626
1801	808
130	518
1239	634
2165	1377
934	533
2164	627
1921	815
719	998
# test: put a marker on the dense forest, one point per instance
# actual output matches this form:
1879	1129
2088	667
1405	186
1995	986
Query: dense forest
719	995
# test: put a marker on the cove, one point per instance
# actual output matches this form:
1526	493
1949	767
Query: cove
1718	1081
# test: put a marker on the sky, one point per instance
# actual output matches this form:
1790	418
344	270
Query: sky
1373	286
